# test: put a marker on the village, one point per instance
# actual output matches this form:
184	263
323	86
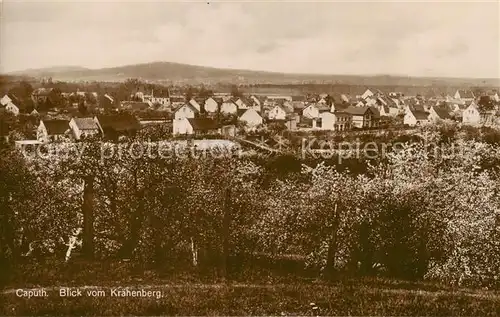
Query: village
52	115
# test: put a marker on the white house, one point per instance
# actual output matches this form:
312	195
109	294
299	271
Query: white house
5	100
367	93
494	96
165	101
256	101
12	108
229	107
414	117
328	120
371	101
52	130
322	101
182	126
277	113
251	117
193	126
473	115
311	111
211	105
83	127
363	117
195	104
185	111
241	104
9	105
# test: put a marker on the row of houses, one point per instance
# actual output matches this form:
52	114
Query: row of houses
112	126
473	114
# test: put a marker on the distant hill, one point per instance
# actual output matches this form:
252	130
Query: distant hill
177	73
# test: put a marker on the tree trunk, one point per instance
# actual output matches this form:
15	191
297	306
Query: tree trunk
88	218
332	246
226	232
194	252
135	224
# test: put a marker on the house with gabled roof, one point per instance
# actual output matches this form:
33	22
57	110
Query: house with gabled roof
311	111
494	96
415	117
229	107
160	97
475	114
177	100
278	112
112	126
251	117
437	113
193	102
52	130
256	100
363	117
367	93
41	95
185	111
212	104
195	126
243	103
10	103
83	127
106	101
464	94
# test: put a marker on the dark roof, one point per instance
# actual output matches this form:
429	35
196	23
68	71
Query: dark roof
119	122
420	115
55	127
219	100
86	123
441	112
375	111
466	93
14	99
240	112
177	99
203	124
299	98
340	106
323	108
135	105
299	106
419	108
359	111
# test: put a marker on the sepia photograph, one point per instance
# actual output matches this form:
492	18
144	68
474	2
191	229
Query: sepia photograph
249	158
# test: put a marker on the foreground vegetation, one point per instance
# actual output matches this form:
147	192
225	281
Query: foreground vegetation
263	235
289	299
277	290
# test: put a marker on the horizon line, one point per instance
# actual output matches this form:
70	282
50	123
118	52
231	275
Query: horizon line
85	68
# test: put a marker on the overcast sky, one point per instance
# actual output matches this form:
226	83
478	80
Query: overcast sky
453	39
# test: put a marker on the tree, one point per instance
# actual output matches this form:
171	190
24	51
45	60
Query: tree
190	92
235	92
486	103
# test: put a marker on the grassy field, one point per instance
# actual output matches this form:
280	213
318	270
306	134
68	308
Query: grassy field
259	292
252	299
